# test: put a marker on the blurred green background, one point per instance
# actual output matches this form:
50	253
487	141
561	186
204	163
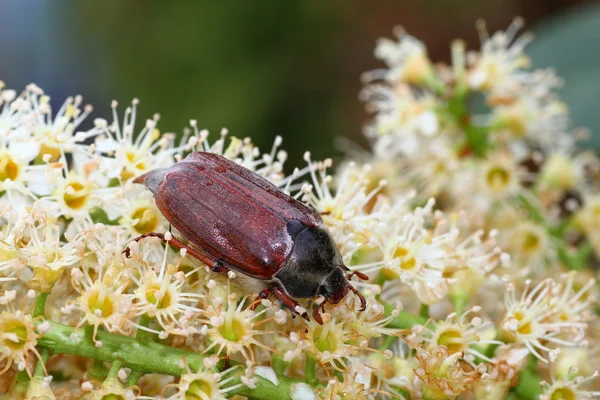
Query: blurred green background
266	68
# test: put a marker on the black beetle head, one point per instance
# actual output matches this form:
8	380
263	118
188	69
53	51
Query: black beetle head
315	265
335	286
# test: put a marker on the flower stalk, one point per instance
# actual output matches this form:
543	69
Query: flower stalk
146	357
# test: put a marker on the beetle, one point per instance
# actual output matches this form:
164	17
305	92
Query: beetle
235	220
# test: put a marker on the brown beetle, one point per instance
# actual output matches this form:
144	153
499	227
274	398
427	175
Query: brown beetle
236	220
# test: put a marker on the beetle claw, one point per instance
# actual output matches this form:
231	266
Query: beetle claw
261	296
127	252
363	301
317	316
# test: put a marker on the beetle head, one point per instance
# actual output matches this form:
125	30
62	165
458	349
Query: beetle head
313	261
315	266
335	286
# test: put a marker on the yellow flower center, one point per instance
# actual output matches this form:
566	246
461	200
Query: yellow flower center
325	341
531	242
76	195
18	329
562	394
497	178
451	339
135	167
233	329
113	396
407	261
9	169
101	302
147	220
199	389
516	123
524	327
164	302
53	151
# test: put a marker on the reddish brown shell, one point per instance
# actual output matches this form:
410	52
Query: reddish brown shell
231	213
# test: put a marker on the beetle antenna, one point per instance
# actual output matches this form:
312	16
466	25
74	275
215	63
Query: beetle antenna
363	301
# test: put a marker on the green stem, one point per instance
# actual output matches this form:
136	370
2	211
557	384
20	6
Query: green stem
388	341
114	369
22	378
39	368
142	334
533	209
265	389
529	385
278	364
147	357
512	396
40	305
20	386
459	302
98	370
310	370
133	378
424	311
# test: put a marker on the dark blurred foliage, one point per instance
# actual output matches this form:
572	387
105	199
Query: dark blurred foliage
260	68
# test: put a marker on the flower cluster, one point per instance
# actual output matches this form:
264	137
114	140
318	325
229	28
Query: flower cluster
477	226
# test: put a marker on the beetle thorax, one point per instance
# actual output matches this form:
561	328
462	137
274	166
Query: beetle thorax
312	267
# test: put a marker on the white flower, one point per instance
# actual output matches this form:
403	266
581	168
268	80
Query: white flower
499	68
528	321
407	59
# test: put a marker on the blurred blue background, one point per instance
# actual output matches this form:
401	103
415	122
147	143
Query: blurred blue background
266	68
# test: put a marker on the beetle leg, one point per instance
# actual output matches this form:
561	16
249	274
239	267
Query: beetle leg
127	250
178	244
361	275
261	296
363	301
286	300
